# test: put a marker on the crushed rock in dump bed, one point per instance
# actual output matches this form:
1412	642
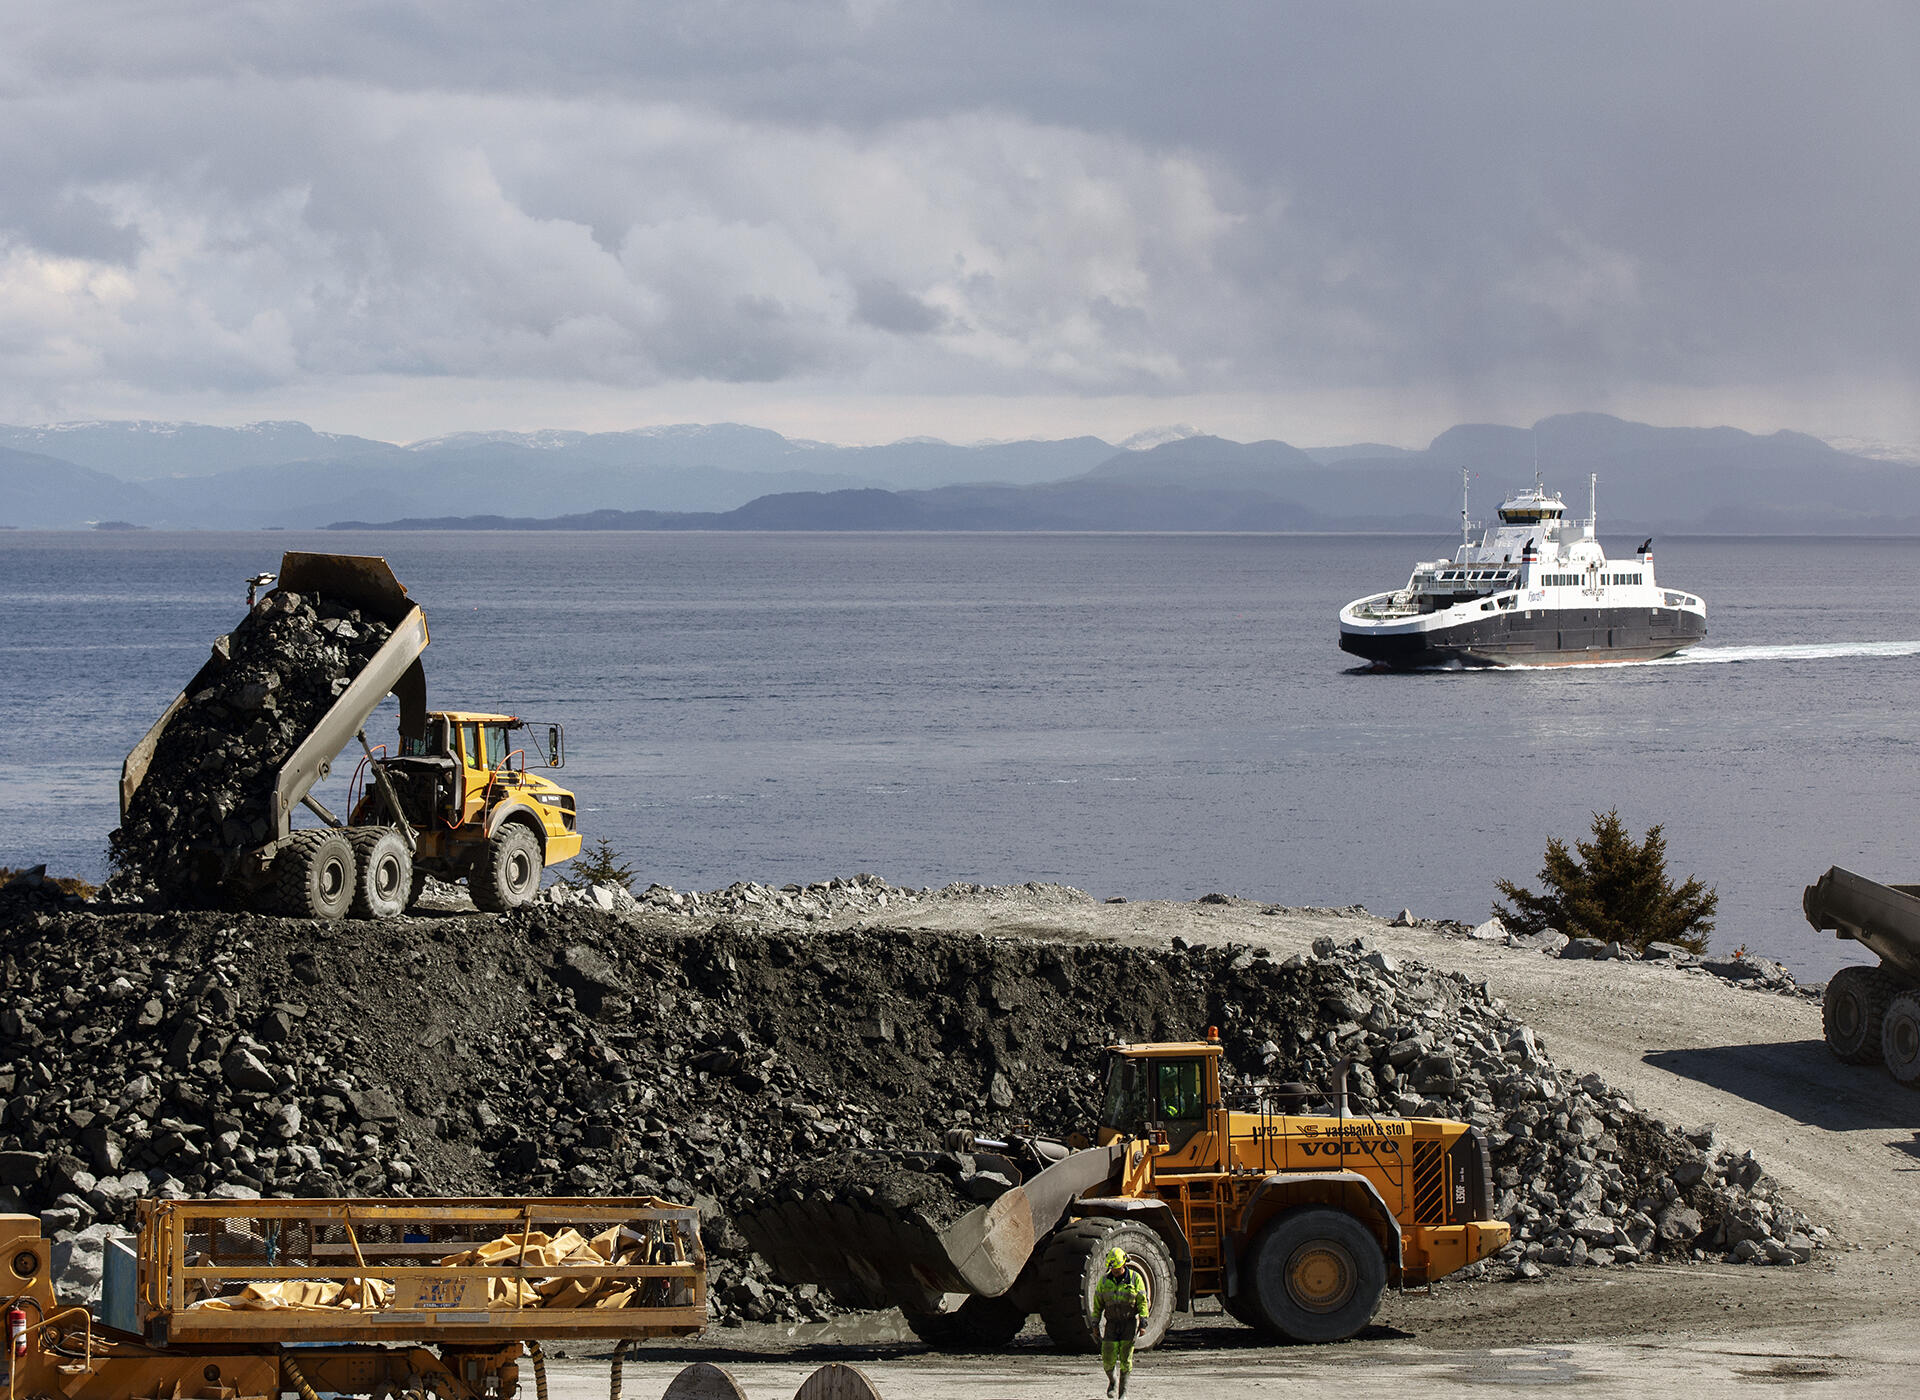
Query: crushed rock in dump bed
565	1051
207	794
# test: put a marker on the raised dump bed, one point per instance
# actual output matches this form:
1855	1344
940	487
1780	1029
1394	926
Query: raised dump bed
467	1271
1872	1014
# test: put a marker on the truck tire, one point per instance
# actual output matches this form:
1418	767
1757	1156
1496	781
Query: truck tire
1851	1012
978	1324
1900	1038
1073	1262
383	879
1243	1307
507	875
313	875
416	887
1318	1275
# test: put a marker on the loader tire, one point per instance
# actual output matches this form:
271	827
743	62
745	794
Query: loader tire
1318	1275
1071	1266
1852	1010
507	874
1900	1038
313	875
383	878
978	1324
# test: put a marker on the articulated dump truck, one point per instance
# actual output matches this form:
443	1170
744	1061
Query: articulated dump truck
1297	1223
455	801
426	1299
1871	1015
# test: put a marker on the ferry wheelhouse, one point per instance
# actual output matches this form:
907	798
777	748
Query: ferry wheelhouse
1537	590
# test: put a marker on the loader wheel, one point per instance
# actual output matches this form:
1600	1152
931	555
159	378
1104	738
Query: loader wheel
1851	1012
1072	1265
1900	1038
383	881
507	875
1317	1275
313	875
979	1324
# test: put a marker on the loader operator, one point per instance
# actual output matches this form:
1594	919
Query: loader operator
1119	1306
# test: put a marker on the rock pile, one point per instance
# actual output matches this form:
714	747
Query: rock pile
568	1051
791	905
206	796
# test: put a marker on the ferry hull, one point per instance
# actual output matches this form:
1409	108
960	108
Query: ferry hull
1511	638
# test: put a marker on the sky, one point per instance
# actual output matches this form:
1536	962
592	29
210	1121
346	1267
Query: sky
868	220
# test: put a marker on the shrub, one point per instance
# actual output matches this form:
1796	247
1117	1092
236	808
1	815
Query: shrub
600	866
66	884
1615	891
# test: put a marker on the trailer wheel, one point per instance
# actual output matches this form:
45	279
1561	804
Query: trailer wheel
507	874
383	882
1072	1266
313	875
1318	1275
1852	1010
1900	1038
978	1324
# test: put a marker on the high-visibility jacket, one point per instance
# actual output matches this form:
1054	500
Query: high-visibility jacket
1119	1307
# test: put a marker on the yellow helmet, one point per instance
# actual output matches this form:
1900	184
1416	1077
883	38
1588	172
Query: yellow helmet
1116	1260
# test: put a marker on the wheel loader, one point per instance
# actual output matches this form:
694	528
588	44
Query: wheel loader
1298	1223
456	801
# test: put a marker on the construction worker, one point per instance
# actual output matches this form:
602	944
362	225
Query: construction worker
1119	1307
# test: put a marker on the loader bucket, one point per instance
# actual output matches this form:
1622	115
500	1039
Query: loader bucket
869	1256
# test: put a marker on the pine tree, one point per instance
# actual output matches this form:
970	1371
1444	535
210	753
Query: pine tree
1614	890
600	866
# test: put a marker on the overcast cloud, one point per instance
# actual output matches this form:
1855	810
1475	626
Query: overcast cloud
869	219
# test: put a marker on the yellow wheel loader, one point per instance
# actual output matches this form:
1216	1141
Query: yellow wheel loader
1298	1223
456	801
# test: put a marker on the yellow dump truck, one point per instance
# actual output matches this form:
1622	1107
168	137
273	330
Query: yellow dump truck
1298	1223
457	800
232	1300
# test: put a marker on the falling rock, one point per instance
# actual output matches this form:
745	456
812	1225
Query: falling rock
1000	1092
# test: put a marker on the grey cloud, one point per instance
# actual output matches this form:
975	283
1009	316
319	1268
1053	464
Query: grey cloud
886	307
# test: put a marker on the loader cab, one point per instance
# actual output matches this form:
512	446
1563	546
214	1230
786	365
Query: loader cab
1167	1093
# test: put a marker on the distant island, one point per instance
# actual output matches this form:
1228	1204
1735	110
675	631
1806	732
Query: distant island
728	476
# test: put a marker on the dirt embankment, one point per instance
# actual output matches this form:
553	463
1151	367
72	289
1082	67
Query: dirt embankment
570	1050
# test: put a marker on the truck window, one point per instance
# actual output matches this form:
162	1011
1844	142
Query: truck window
494	737
1129	1095
470	745
1179	1089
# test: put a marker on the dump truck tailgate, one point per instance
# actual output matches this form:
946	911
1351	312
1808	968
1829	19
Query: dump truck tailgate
1886	918
440	1270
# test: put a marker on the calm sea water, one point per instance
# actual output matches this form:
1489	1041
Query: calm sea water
1150	716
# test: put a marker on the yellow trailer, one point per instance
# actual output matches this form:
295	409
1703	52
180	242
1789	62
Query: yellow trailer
429	1299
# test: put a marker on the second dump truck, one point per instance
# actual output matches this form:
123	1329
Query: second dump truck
457	800
1297	1223
1871	1015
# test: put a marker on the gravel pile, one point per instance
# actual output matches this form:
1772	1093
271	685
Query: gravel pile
207	794
792	905
569	1051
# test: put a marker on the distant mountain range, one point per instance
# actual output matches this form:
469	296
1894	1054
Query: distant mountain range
732	477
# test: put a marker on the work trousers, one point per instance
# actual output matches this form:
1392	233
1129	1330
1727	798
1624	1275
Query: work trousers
1117	1356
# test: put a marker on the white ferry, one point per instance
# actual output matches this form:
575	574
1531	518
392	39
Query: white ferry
1537	590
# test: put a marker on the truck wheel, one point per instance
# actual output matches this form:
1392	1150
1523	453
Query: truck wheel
313	875
1072	1266
1900	1038
508	874
979	1324
1851	1012
1318	1275
416	887
1242	1307
383	882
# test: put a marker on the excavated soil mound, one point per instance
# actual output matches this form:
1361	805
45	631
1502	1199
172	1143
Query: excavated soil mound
206	797
565	1051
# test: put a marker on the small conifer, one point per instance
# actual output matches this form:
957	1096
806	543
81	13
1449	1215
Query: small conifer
600	866
1614	890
